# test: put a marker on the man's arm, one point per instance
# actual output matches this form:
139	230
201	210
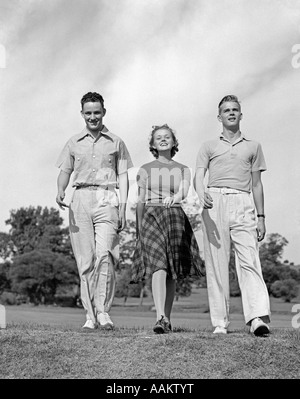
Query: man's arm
258	196
62	183
123	190
206	201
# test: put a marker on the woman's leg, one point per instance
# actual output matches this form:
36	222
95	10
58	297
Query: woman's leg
170	294
159	292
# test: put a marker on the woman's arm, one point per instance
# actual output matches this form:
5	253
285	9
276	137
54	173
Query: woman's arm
140	209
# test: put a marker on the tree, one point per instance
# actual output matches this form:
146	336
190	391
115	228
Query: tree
123	287
4	276
287	289
183	287
37	228
127	244
272	248
6	246
191	207
39	273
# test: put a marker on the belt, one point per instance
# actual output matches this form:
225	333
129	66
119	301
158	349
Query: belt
92	187
156	204
226	190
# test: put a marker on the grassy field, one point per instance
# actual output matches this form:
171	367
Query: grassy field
48	343
43	352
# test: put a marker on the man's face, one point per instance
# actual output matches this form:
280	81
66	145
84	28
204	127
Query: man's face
93	113
230	114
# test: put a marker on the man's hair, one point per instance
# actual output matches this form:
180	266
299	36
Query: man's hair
151	140
231	98
92	98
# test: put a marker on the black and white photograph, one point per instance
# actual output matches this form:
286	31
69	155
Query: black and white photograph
150	192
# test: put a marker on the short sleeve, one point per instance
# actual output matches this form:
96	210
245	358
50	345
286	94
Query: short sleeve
141	178
124	159
65	160
258	161
202	160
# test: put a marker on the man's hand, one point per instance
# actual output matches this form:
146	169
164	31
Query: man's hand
261	229
206	201
60	200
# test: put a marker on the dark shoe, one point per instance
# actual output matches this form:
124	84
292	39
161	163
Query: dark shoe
259	328
162	326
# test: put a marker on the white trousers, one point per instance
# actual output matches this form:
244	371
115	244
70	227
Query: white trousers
93	224
232	219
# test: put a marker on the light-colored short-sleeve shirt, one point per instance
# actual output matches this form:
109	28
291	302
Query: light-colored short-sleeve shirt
231	164
95	162
161	180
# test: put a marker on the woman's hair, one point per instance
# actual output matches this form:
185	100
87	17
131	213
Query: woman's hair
93	98
151	140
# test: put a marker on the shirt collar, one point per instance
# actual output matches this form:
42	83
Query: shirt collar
86	132
241	138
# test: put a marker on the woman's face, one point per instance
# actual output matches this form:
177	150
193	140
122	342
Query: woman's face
163	140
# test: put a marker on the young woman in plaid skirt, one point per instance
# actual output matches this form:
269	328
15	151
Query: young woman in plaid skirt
166	249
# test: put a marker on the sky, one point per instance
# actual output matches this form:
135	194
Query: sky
154	62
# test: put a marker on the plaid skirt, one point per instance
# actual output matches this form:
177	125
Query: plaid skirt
166	242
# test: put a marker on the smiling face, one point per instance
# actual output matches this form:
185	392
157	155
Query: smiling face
93	113
230	115
163	140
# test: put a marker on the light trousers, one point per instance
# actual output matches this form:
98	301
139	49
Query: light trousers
93	224
232	219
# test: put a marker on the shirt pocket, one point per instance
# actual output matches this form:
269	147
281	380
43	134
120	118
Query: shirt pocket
80	161
108	161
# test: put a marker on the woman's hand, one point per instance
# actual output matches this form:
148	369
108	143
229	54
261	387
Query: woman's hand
169	201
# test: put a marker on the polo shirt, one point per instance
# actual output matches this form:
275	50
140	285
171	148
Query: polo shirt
95	161
231	164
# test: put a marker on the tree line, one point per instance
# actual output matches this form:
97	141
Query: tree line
37	263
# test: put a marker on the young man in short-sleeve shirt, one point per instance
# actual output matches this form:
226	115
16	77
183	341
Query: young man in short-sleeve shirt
234	192
98	160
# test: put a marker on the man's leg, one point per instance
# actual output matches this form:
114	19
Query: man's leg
216	240
83	245
255	297
107	256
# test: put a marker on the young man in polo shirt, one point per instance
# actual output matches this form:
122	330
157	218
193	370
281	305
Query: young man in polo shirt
234	191
99	161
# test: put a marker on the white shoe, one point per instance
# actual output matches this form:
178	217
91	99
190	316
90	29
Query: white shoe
220	330
258	327
89	324
105	321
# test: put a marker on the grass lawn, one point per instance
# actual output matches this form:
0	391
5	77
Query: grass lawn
48	343
40	352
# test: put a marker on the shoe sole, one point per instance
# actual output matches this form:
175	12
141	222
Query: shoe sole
262	330
158	330
106	326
